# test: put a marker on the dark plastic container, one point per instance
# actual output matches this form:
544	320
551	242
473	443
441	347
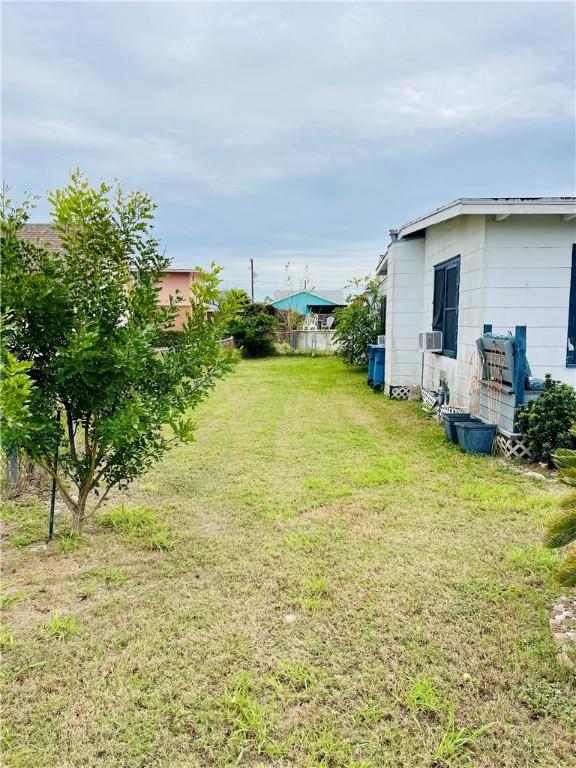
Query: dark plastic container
378	374
371	358
476	436
450	421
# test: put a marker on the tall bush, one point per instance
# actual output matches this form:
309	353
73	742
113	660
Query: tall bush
546	422
87	317
359	323
254	330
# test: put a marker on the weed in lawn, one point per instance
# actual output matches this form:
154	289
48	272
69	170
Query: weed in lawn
534	560
424	696
325	749
6	638
248	719
139	527
26	522
297	675
105	575
455	741
8	600
545	699
536	646
62	627
370	714
69	542
312	592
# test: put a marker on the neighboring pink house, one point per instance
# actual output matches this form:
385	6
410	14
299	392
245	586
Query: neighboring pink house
177	281
174	280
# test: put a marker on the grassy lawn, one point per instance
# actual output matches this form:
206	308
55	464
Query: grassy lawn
319	580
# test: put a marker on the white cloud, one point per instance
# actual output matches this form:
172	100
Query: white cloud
295	108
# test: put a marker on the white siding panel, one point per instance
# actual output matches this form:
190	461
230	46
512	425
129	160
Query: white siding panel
527	298
543	277
518	257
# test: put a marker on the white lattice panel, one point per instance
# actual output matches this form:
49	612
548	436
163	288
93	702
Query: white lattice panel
512	447
429	396
400	392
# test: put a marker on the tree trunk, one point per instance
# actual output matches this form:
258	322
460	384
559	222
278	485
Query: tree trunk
79	514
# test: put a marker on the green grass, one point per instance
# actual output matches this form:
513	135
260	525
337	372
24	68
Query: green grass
62	627
424	696
139	527
456	743
319	580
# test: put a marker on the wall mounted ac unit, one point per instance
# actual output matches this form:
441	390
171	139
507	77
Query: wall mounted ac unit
431	341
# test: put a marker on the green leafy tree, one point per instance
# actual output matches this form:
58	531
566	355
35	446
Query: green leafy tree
16	390
546	421
254	330
87	317
561	530
238	295
359	323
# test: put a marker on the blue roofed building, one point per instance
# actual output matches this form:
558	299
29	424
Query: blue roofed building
304	301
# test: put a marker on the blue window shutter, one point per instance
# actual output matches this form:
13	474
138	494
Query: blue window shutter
446	300
571	345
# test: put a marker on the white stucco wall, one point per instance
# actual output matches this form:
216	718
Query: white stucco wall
403	289
512	272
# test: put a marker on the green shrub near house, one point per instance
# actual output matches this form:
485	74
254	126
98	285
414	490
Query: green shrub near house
359	323
546	422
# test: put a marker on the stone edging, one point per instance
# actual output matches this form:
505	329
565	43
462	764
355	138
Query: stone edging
563	626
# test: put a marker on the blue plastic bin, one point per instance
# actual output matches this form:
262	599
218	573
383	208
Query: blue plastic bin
378	373
476	436
450	421
371	358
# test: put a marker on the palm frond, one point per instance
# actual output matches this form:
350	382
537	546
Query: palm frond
566	574
561	529
565	458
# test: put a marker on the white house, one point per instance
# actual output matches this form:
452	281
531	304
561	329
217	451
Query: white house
503	262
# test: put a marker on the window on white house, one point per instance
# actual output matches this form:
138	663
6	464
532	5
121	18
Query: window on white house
571	346
383	316
446	295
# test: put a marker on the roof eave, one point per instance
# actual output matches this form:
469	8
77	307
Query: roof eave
473	207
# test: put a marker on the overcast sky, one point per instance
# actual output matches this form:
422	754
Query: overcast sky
289	132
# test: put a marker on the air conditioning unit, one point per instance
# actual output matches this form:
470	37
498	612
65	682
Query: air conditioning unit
381	341
431	341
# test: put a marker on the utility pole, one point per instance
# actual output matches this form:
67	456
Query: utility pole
252	278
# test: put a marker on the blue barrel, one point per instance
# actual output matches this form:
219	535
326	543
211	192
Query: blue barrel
378	373
371	358
476	436
450	421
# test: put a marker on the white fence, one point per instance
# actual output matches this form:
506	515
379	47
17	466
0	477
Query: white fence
314	341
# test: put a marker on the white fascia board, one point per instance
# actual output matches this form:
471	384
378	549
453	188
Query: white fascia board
385	261
501	208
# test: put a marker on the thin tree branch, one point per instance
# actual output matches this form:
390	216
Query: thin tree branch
72	438
70	503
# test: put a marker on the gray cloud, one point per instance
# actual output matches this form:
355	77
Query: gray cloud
288	131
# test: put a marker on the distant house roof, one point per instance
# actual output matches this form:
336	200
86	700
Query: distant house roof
41	234
499	206
45	234
334	297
